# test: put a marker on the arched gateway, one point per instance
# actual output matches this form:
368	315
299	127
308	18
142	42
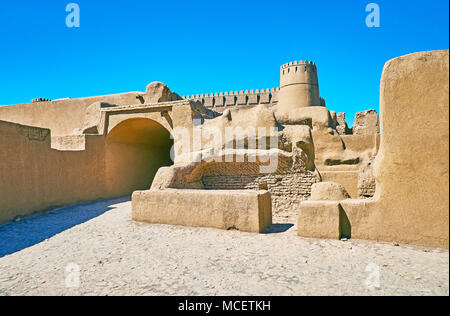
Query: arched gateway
134	151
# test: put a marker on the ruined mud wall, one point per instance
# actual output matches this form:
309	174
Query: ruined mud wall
34	177
411	170
287	190
61	117
67	116
356	179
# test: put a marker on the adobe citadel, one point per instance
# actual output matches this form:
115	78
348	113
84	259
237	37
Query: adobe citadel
384	179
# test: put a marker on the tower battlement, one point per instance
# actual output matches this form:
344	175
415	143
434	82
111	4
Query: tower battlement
296	63
298	72
299	85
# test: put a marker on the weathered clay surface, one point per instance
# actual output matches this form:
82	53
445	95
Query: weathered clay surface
366	123
159	92
411	169
341	126
249	211
366	181
328	191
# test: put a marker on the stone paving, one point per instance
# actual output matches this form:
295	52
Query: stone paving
96	249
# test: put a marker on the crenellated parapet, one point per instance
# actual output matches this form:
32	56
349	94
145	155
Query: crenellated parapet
236	98
300	62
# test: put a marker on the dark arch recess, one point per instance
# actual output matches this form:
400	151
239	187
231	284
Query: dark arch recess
134	151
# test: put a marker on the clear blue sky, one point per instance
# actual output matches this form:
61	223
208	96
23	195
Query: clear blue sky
208	46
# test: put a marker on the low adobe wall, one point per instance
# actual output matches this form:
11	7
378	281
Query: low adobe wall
34	177
246	210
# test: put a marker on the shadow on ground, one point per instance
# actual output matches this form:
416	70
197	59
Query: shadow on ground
278	228
32	230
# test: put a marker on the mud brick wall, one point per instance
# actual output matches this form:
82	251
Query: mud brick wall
366	187
223	100
287	190
366	181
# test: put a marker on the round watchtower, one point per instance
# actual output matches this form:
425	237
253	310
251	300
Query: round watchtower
299	85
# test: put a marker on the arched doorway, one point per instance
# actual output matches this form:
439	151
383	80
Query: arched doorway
134	151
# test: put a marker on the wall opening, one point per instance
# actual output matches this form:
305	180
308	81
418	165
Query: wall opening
134	151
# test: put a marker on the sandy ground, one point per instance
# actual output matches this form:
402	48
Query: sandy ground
95	249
